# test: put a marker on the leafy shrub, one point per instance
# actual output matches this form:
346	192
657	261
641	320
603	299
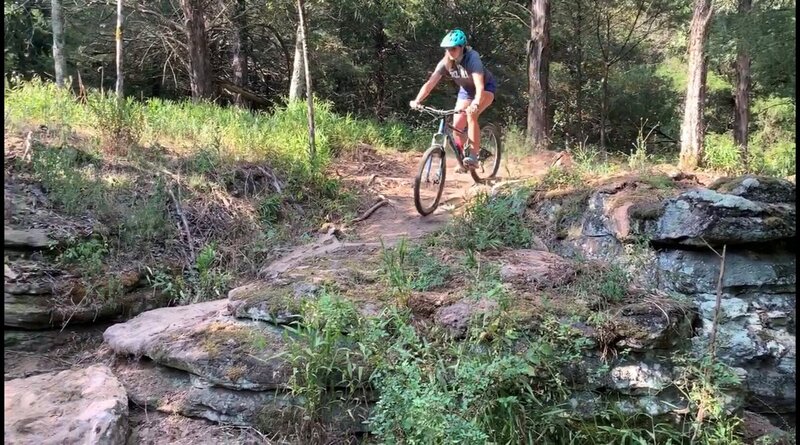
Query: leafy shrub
721	153
491	222
120	124
413	269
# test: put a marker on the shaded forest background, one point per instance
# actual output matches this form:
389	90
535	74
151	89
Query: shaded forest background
617	71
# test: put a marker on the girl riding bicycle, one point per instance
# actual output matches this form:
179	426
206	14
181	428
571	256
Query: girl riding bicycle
476	89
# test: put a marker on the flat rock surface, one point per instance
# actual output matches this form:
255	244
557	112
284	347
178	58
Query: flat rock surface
202	339
154	387
536	269
80	406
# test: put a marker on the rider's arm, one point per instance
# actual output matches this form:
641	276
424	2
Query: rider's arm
428	86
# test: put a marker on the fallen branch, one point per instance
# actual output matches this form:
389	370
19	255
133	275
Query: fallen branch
187	232
372	179
371	210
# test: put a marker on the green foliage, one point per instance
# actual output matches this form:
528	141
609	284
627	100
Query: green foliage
559	177
505	387
406	269
321	353
69	179
721	153
269	209
491	222
119	123
601	283
204	281
87	255
147	220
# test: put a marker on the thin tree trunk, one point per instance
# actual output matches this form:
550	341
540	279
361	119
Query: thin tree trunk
741	115
604	107
380	71
298	74
692	128
579	69
57	19
118	35
538	73
312	151
240	50
200	74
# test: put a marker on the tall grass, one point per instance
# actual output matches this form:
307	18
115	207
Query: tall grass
279	136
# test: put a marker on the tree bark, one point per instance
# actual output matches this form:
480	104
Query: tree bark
312	151
298	74
578	25
692	128
241	50
604	107
200	74
741	115
538	74
57	20
118	36
379	37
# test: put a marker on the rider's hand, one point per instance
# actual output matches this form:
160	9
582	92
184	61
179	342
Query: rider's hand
414	105
473	107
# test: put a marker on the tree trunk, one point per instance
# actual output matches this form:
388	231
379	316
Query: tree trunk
240	50
604	108
538	71
741	115
312	151
118	36
57	19
578	24
200	74
298	73
692	128
380	70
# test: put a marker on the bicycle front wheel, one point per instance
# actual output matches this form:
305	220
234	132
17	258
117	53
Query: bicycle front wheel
490	154
429	182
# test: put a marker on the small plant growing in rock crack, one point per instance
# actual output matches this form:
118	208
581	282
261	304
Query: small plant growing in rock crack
491	222
708	384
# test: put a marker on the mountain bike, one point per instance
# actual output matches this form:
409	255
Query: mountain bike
429	182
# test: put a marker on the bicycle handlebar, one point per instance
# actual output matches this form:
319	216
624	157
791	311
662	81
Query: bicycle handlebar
437	112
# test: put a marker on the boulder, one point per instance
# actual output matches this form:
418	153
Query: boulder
654	323
702	216
202	339
455	318
696	272
26	239
80	406
173	391
757	188
269	301
535	269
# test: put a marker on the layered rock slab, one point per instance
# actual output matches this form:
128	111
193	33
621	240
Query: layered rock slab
82	407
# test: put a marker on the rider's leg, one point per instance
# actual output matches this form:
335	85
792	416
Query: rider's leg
460	120
474	130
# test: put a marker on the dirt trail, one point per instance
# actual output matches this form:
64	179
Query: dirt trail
394	177
391	176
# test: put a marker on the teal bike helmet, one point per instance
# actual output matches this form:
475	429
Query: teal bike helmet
453	38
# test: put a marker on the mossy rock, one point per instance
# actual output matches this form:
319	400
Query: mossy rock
272	302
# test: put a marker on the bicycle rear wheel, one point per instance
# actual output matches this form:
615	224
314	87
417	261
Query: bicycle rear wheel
429	182
490	154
